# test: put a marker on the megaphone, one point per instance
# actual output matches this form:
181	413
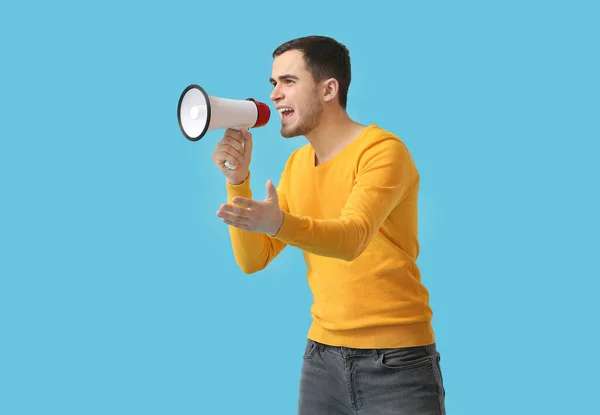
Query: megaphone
198	113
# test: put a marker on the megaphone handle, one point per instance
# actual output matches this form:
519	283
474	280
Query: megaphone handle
228	164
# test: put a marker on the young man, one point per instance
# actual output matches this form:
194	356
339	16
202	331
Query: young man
348	199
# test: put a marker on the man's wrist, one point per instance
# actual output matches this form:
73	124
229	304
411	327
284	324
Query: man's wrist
279	224
236	182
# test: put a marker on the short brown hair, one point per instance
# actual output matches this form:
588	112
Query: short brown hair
324	58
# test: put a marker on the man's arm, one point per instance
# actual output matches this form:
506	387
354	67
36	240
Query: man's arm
253	251
386	174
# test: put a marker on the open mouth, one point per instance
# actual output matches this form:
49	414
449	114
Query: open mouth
285	113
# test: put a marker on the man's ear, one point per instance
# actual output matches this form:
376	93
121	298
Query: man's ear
331	88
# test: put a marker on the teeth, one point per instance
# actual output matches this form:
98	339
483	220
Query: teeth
281	110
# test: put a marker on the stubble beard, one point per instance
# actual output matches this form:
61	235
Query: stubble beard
311	119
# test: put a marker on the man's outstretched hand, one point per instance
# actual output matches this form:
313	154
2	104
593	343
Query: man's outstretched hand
262	217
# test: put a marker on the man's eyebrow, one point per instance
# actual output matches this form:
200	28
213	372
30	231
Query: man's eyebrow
286	76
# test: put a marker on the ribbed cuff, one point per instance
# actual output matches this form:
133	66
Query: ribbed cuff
243	189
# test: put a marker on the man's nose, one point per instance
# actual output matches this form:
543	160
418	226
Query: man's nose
276	94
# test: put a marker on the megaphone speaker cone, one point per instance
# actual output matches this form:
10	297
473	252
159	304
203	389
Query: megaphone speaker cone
194	112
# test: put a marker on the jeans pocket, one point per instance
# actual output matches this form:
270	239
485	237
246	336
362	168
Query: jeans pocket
403	359
439	375
310	348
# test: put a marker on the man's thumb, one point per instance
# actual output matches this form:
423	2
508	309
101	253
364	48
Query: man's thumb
271	190
247	137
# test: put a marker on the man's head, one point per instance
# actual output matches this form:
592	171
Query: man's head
309	75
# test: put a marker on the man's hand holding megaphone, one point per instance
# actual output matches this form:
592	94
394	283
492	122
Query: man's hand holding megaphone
251	215
235	148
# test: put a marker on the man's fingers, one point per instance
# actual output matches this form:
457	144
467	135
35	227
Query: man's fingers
252	204
235	143
235	220
234	135
229	153
231	146
238	211
229	150
221	158
237	216
226	214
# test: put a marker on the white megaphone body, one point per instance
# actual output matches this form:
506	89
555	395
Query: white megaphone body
198	113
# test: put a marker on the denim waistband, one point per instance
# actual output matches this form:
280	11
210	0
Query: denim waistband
350	351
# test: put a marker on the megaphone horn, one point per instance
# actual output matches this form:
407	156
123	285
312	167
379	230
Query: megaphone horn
198	113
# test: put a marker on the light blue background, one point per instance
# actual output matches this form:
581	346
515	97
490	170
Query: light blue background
118	289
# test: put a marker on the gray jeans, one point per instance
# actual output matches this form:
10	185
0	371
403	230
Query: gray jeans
341	380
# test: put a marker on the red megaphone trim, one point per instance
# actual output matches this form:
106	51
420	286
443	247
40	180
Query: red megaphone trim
264	113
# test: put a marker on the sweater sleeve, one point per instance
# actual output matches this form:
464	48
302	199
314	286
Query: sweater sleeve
385	175
253	251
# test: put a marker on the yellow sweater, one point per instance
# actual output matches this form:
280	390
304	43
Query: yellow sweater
355	218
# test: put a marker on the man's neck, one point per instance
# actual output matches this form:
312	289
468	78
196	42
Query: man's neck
334	133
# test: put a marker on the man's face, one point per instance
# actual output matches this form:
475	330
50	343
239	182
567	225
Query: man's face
295	95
